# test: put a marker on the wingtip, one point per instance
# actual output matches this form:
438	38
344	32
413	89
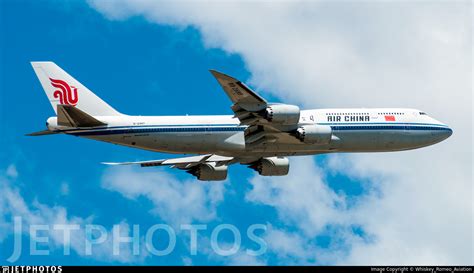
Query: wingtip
33	63
109	163
116	163
220	75
214	72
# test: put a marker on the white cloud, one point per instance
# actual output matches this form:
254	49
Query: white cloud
287	245
243	258
240	257
176	202
302	194
357	54
13	204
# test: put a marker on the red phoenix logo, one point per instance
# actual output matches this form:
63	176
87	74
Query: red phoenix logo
65	93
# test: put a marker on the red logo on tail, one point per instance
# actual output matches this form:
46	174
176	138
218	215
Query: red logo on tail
65	93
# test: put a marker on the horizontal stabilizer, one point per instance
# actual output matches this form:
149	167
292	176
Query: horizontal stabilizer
43	133
71	116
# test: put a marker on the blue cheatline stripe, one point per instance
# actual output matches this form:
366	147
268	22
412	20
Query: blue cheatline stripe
195	129
390	127
169	125
233	125
160	130
381	123
151	126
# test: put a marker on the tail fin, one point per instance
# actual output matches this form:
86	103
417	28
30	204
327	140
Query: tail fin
62	88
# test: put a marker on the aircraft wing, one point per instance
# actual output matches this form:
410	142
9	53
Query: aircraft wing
247	105
239	93
250	109
180	162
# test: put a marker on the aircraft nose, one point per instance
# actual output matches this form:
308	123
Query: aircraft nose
448	132
444	133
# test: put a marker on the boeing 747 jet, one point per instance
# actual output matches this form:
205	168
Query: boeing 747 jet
260	134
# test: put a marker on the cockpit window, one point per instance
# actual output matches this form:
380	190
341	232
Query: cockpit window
422	113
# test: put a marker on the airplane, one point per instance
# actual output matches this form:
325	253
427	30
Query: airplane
260	134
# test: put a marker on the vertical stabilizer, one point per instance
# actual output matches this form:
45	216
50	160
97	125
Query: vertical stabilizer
62	89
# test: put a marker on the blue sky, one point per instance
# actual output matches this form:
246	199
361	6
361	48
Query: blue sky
147	65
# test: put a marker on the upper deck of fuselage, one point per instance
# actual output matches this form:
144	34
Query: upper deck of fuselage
367	116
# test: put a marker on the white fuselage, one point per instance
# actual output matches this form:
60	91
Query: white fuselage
353	130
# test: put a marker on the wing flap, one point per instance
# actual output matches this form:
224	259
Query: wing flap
180	162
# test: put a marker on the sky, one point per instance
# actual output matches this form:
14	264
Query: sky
152	58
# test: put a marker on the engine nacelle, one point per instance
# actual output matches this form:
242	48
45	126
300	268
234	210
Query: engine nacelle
283	114
314	134
272	166
209	172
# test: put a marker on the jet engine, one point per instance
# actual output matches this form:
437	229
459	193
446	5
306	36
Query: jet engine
271	166
283	114
314	134
209	172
